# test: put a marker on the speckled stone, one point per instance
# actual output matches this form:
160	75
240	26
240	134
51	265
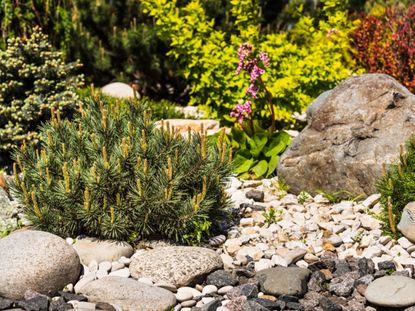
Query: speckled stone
37	261
178	265
129	294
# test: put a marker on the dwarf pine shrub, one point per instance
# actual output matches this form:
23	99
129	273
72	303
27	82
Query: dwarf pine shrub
111	174
397	187
33	80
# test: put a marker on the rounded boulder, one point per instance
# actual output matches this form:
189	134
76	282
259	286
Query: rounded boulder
37	261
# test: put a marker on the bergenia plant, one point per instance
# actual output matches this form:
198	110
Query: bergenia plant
255	66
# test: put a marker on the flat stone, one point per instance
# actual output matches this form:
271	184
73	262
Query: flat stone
252	251
224	290
284	281
391	291
221	278
178	265
184	296
147	281
125	272
105	265
116	265
209	289
85	280
37	261
90	249
294	255
168	286
404	242
129	294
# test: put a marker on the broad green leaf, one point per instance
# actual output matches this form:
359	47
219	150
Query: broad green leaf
277	145
257	143
260	168
272	165
244	166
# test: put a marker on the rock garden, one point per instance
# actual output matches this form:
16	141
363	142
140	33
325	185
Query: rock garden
259	157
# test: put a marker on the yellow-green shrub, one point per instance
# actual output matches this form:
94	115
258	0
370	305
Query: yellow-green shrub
305	61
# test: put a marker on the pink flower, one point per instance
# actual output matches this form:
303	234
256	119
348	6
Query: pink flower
241	111
244	50
252	90
256	72
264	58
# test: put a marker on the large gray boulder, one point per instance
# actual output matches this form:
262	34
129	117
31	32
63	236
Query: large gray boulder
129	294
37	261
352	130
177	265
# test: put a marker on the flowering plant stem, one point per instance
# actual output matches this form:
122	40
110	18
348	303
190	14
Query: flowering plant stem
271	106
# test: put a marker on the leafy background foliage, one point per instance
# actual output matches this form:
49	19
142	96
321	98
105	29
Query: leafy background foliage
302	64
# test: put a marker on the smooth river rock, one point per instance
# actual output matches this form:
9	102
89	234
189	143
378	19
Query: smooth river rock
90	249
391	291
284	281
407	223
37	261
129	294
352	131
177	265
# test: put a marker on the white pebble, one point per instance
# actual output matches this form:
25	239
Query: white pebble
224	290
105	265
122	272
145	280
183	296
209	289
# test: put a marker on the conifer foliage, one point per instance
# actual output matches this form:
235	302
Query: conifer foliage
111	174
33	79
397	186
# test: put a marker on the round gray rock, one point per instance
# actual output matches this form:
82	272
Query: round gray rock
391	291
119	90
178	265
129	294
90	249
37	261
284	281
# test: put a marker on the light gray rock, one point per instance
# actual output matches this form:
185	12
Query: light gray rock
37	261
391	291
129	294
356	128
284	281
407	223
178	265
119	90
90	249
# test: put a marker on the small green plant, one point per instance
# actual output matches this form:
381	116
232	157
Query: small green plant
111	174
272	216
33	80
338	196
304	197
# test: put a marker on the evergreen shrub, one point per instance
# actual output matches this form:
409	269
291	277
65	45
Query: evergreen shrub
33	80
397	187
111	174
